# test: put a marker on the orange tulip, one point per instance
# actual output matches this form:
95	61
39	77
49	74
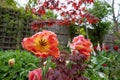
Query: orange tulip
81	45
42	44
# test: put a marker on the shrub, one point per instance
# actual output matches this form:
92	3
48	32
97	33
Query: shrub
104	66
24	62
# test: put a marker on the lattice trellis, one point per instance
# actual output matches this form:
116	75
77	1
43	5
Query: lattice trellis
14	27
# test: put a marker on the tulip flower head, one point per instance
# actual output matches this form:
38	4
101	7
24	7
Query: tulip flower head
42	44
104	65
116	48
95	48
104	47
98	47
36	74
81	45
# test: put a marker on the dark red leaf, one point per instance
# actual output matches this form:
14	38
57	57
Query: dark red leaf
69	15
45	4
83	9
80	2
33	10
80	21
63	6
41	11
63	14
50	23
69	2
34	26
58	9
51	7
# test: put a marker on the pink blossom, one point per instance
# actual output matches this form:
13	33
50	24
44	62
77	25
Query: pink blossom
36	74
81	45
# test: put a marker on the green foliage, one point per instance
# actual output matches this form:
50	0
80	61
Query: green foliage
8	3
24	62
100	10
82	31
117	42
74	30
31	3
49	14
12	3
104	66
13	23
97	34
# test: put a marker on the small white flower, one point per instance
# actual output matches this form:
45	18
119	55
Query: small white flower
67	62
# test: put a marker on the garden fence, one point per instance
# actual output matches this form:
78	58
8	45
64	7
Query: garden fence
14	26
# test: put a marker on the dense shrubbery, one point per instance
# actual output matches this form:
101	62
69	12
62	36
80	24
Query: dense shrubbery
24	62
104	66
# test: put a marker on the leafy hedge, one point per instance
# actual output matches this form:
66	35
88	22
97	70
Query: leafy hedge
104	66
24	62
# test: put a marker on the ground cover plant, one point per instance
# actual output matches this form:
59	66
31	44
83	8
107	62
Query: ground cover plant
15	64
104	66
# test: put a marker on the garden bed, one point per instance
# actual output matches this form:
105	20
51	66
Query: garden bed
106	65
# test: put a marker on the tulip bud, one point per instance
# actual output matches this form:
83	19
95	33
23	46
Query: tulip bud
98	47
11	62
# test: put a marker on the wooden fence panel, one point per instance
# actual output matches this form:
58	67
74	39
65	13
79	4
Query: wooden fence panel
109	40
62	33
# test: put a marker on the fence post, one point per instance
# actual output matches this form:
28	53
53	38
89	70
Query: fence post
18	38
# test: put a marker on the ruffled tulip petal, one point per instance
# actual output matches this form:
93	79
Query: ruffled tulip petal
81	45
35	74
54	52
42	44
28	44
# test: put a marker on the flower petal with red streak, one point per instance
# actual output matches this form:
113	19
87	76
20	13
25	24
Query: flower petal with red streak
42	44
35	74
81	45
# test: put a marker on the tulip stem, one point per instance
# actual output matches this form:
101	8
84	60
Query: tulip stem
45	68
